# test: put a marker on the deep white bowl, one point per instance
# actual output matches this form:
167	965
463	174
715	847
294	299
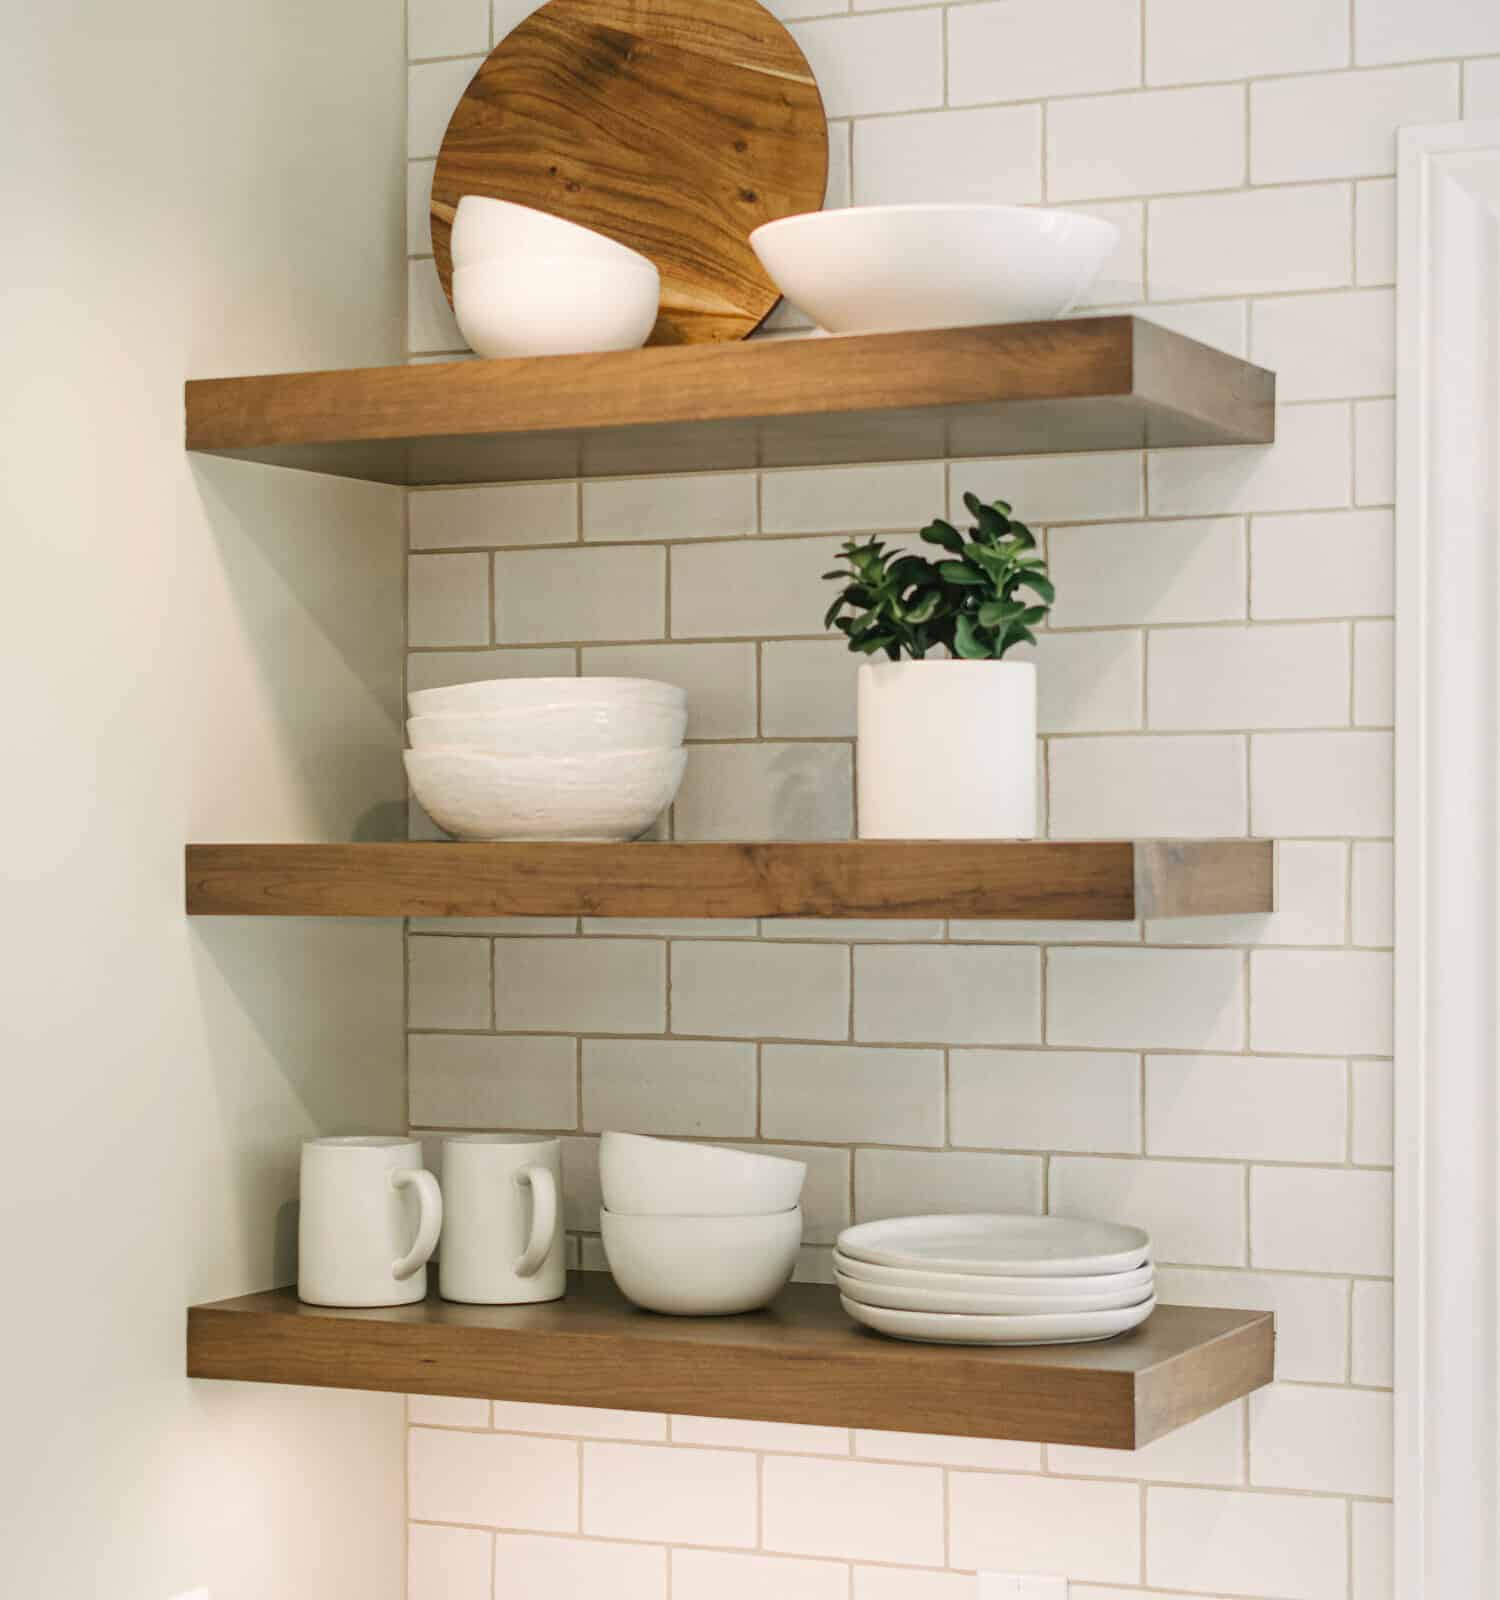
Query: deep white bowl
701	1266
878	269
642	1176
519	694
529	305
484	229
600	797
580	728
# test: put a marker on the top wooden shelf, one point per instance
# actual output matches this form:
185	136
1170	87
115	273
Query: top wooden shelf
1031	388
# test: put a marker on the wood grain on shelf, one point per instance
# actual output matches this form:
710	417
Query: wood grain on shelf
1036	880
1096	383
801	1360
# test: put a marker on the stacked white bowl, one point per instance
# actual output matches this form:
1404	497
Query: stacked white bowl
526	283
547	758
996	1279
696	1230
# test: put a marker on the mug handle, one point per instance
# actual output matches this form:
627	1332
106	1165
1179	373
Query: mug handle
429	1220
543	1219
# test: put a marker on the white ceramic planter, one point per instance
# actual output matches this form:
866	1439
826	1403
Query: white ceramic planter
947	750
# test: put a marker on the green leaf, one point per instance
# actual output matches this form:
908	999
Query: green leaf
943	533
1020	532
833	611
1040	584
967	643
993	524
962	573
925	608
996	613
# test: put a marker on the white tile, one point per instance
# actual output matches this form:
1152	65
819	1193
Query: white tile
904	1583
1020	931
950	995
1146	999
786	1438
1305	1219
492	1480
507	15
1375	231
1083	1100
580	985
1321	1001
432	91
1307	469
1391	30
1132	572
683	1496
866	65
669	1087
856	1510
1253	1108
1122	278
1220	323
528	1567
808	688
716	1575
448	983
993	155
708	506
1371	1335
447	1563
1294	675
1337	346
1309	785
1323	564
1375	452
1089	1531
1189	41
1371	1089
843	1094
755	589
1165	141
1311	893
581	1201
1210	1449
447	600
900	495
1373	912
446	1411
814	1264
760	991
767	791
545	596
460	1080
1332	1440
418	203
1042	489
1312	1314
1374	1553
446	28
904	1183
442	668
1290	1547
1343	124
855	930
719	680
948	1450
1482	88
1142	787
1374	674
674	927
1193	1210
589	1422
826	1210
1088	682
1031	49
1255	241
493	514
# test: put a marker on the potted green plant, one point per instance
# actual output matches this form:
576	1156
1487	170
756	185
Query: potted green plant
947	741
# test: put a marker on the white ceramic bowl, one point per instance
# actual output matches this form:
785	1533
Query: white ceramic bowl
878	269
642	1176
601	797
555	305
484	229
520	694
701	1266
582	728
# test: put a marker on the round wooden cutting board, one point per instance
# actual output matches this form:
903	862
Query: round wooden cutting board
674	126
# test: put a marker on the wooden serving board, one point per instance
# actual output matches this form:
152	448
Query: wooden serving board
674	126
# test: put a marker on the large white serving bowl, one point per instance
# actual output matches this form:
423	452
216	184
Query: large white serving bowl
643	1176
600	797
1139	1279
1035	1304
577	728
555	305
701	1266
484	229
879	269
520	694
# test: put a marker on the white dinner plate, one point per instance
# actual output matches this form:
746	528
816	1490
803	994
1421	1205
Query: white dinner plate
932	1327
1005	1244
998	1305
978	1283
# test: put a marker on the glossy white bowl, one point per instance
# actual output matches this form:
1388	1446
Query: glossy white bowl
484	229
580	728
701	1266
642	1176
600	797
555	305
878	269
519	694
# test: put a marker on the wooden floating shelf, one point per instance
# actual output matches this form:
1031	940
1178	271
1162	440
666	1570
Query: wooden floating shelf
1033	879
801	1360
1096	383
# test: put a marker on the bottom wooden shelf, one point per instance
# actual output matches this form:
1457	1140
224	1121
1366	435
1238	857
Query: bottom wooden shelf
801	1360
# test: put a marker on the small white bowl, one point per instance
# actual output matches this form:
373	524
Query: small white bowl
555	305
484	229
519	694
557	730
701	1266
601	797
641	1176
880	269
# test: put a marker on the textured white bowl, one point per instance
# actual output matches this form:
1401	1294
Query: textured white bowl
555	305
518	694
878	269
484	229
701	1266
641	1176
557	730
603	797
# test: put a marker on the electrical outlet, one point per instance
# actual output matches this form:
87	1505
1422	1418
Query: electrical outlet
1021	1586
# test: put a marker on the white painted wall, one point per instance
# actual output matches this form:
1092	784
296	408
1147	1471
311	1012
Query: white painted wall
191	650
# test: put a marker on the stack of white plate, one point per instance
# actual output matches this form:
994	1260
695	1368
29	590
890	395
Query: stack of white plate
995	1279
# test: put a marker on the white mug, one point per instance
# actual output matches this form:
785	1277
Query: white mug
369	1222
503	1242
